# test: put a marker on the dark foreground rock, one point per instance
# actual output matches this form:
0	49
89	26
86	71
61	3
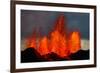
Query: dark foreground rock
31	55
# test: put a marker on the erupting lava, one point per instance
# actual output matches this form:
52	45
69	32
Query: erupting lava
58	41
74	42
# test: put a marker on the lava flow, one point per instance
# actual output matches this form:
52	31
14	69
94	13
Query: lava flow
58	41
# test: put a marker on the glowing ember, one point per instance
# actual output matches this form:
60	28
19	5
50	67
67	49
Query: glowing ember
58	41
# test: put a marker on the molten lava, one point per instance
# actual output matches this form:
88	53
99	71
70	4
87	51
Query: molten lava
74	42
43	46
57	41
31	42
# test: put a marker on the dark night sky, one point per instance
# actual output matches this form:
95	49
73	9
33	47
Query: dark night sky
45	20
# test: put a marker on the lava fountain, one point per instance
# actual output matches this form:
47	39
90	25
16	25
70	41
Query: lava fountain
58	41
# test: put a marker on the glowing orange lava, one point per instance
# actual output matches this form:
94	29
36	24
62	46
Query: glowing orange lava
57	41
43	46
74	42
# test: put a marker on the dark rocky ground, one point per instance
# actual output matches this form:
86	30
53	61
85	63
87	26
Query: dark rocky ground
31	55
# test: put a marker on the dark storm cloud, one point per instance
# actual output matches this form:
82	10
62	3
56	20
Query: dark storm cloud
45	20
